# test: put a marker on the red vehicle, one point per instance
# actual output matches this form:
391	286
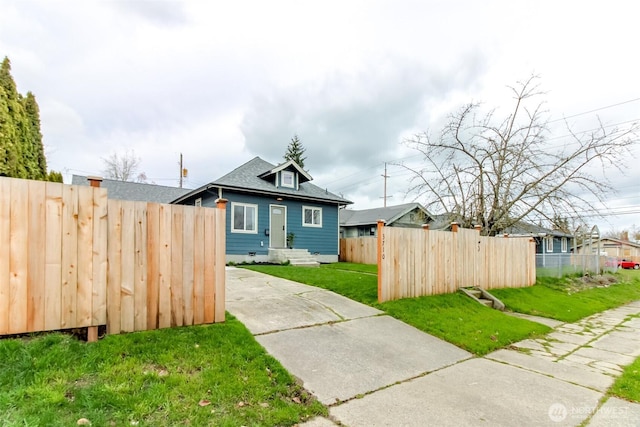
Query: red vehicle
625	263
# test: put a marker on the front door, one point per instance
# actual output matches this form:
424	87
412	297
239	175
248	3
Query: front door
277	229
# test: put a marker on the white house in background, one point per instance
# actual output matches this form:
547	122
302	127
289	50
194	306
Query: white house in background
614	248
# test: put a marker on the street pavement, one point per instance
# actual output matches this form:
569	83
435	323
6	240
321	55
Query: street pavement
373	370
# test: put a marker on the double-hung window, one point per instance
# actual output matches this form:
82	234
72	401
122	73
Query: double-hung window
550	244
311	217
245	218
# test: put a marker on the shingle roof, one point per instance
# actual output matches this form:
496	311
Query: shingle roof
246	178
135	191
349	218
524	228
617	242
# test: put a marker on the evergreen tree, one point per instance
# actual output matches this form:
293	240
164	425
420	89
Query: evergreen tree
21	148
9	118
37	162
295	150
54	176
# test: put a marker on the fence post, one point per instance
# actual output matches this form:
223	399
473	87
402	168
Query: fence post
92	331
476	261
380	256
94	181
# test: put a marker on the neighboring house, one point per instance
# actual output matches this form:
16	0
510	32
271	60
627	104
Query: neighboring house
270	208
359	223
135	191
611	247
547	241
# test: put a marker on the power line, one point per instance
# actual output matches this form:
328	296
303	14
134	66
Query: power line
596	109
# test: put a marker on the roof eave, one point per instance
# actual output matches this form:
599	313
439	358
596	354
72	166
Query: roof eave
279	194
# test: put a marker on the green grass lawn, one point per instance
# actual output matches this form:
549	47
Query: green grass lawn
562	299
627	386
343	278
201	375
454	317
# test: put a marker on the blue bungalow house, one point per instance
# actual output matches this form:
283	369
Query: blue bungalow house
274	213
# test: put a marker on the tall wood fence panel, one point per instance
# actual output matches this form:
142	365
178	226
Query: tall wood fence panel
72	258
53	256
414	263
162	269
361	250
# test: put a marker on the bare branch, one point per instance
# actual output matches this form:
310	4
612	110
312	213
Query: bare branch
122	167
498	173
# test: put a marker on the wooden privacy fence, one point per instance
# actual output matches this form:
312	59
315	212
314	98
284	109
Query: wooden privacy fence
414	263
361	250
72	258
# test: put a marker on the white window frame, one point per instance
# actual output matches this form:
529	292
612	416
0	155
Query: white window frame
304	216
198	201
563	245
549	243
283	178
255	218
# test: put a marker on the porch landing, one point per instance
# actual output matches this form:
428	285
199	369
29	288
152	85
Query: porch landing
297	257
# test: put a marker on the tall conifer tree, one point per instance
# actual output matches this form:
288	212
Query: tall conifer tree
9	128
295	150
21	148
37	166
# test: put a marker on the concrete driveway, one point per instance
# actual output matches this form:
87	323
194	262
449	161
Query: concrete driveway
339	348
373	370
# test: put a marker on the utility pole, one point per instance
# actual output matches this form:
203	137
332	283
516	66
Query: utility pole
385	176
180	170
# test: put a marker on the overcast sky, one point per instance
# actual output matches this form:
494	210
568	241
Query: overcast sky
223	82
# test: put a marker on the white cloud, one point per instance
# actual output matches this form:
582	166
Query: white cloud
225	81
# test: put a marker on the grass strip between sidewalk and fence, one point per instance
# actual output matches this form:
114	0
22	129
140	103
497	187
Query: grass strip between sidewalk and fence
199	375
567	299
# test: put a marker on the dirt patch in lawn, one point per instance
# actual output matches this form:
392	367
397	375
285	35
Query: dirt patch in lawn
577	284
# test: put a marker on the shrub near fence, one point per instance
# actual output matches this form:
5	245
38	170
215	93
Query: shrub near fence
414	263
71	258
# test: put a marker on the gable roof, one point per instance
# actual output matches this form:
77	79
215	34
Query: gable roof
250	178
135	191
304	176
615	242
389	214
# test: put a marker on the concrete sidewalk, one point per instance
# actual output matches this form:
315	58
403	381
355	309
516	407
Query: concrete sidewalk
374	370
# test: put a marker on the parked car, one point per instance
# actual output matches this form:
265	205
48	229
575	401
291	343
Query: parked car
625	263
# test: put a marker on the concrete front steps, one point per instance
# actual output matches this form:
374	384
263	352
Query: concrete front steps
297	257
483	297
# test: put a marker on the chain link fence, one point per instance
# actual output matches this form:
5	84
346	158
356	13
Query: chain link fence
558	265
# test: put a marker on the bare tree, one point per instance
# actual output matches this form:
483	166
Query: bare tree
497	172
123	167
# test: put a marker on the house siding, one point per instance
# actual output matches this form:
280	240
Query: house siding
541	245
322	240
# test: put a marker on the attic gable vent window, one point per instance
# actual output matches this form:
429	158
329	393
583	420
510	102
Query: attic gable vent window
287	178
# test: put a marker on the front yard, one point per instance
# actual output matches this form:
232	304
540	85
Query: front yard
219	375
199	375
